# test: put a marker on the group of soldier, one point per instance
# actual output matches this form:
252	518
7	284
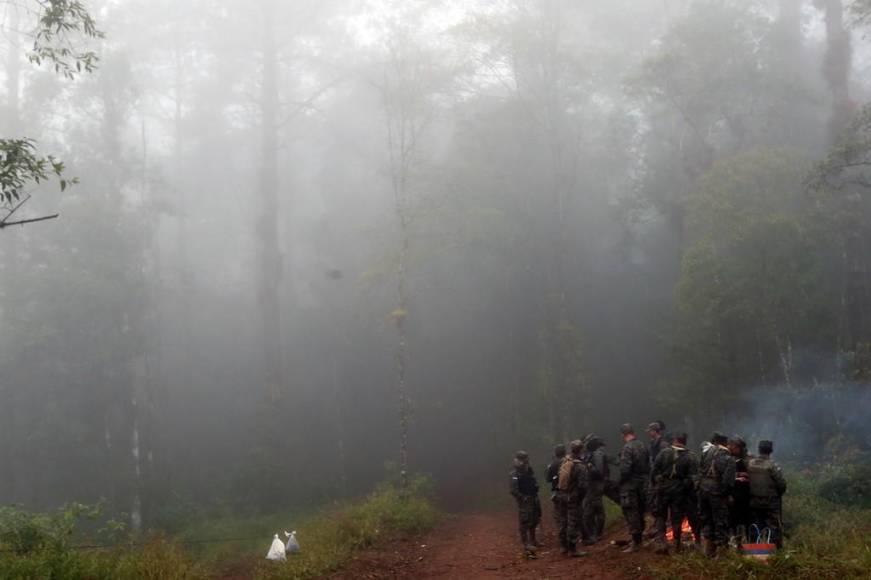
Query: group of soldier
722	494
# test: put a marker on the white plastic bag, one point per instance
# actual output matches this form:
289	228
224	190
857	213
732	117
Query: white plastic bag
292	546
276	551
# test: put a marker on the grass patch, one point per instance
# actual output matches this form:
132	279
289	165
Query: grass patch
40	546
328	540
48	546
828	536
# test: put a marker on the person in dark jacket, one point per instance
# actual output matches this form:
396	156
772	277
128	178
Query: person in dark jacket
557	499
716	481
674	475
739	508
655	431
597	474
634	476
573	481
767	486
524	489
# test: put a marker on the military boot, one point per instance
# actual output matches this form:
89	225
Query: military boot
532	540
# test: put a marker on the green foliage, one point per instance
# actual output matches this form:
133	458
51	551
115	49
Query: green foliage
329	540
751	284
848	486
41	546
20	165
24	533
60	21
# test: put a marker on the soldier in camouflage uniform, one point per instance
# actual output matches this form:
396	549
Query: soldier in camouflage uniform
767	486
673	475
739	509
716	480
575	485
634	475
655	431
558	499
524	488
597	474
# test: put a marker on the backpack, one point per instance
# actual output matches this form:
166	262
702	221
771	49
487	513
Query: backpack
565	474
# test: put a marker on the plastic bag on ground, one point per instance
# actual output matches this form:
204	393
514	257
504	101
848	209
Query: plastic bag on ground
292	546
276	551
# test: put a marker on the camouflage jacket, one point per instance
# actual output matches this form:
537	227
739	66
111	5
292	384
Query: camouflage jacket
634	462
675	470
717	471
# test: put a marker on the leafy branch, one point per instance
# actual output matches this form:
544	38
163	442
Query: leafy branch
59	21
20	164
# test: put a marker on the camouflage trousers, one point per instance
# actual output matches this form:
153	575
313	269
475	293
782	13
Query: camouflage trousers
529	512
633	501
594	510
575	517
561	517
714	515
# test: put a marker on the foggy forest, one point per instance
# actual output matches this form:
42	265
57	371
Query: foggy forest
262	256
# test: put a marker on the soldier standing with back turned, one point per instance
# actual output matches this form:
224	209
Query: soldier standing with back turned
716	480
767	486
597	475
558	499
634	473
573	481
674	474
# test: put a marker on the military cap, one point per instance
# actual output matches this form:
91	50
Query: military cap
627	429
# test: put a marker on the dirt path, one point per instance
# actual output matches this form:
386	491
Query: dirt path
485	545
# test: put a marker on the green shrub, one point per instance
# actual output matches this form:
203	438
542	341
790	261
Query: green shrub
328	540
41	547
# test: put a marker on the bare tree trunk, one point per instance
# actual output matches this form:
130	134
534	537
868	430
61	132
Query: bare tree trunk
267	225
838	62
401	352
11	258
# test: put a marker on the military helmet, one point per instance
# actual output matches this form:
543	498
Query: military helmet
627	429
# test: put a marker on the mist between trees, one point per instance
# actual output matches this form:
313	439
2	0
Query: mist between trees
311	237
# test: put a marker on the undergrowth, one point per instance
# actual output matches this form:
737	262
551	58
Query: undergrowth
37	546
828	535
328	540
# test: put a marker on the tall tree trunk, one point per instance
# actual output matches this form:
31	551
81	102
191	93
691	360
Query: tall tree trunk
121	419
11	261
267	226
402	350
838	63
